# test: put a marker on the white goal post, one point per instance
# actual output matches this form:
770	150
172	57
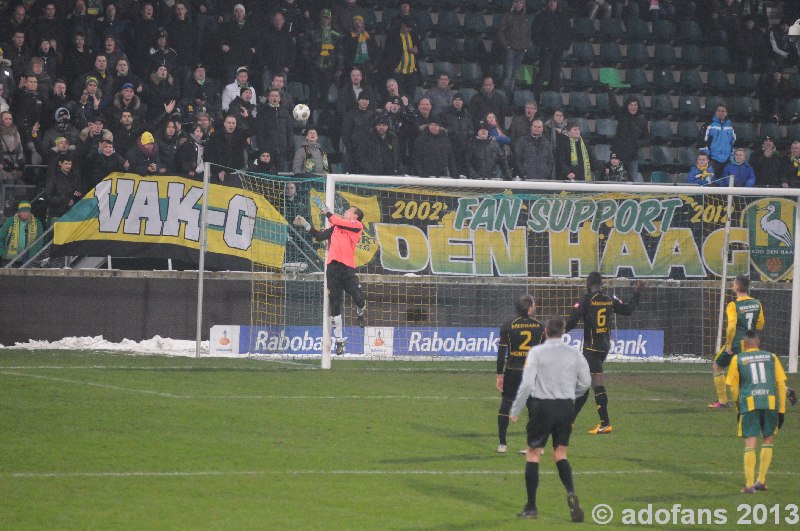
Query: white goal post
341	184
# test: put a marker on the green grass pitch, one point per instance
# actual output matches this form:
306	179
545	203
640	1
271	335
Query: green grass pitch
107	441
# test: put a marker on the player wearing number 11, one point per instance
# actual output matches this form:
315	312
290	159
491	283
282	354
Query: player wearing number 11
758	388
743	314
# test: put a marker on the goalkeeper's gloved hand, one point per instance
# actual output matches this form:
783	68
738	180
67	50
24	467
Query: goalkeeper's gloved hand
780	420
300	221
791	396
322	206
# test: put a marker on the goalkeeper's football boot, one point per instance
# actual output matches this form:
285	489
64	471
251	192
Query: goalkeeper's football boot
601	429
748	490
502	449
719	405
575	510
760	486
529	513
791	396
339	348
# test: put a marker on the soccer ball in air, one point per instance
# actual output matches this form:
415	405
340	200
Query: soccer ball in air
301	112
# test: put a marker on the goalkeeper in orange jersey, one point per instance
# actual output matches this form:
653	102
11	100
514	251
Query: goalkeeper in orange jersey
743	314
758	388
343	233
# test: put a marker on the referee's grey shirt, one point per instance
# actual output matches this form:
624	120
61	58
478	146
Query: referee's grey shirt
553	370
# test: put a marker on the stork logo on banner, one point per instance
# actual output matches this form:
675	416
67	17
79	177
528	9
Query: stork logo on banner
770	229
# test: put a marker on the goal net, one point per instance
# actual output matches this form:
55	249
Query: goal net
441	262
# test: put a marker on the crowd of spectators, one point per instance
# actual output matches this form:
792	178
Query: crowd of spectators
157	87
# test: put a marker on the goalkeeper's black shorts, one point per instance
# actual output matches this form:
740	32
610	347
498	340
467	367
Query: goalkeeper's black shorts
550	418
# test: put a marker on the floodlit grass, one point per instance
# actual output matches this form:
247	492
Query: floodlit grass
100	441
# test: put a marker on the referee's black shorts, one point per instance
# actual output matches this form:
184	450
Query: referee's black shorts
595	358
550	418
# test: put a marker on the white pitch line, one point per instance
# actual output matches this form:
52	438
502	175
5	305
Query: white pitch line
200	473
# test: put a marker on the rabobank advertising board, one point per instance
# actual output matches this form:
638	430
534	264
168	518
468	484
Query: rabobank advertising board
232	340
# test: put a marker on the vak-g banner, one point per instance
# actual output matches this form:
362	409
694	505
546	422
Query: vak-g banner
130	215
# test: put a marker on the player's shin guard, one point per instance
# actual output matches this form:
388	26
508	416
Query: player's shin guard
337	327
601	399
565	473
763	463
722	389
503	419
749	467
531	483
579	403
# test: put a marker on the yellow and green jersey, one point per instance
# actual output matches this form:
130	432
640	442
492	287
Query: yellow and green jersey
745	313
757	381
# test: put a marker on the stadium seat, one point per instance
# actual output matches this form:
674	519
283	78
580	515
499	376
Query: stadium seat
636	54
689	105
742	108
660	177
551	100
661	105
606	128
664	30
771	129
690	81
471	73
688	132
637	79
636	30
718	81
583	29
611	28
582	52
474	23
663	80
689	32
744	82
610	53
745	133
719	56
448	22
686	156
579	103
661	132
664	54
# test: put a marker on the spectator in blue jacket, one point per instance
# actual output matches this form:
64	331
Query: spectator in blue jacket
743	174
702	173
719	139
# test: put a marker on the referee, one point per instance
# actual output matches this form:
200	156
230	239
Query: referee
555	373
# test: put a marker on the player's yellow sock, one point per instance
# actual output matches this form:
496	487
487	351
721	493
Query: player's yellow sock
722	389
749	467
764	461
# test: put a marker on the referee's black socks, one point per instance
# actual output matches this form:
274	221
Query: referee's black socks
565	473
601	399
532	482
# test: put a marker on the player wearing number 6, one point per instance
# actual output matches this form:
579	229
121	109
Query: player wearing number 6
596	310
344	233
743	314
758	388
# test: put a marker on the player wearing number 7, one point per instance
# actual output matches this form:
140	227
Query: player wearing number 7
344	233
742	314
596	310
758	388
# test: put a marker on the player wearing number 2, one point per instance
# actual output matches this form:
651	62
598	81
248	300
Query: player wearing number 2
344	233
596	309
758	388
743	314
517	336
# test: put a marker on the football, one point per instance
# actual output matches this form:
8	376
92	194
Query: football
301	112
